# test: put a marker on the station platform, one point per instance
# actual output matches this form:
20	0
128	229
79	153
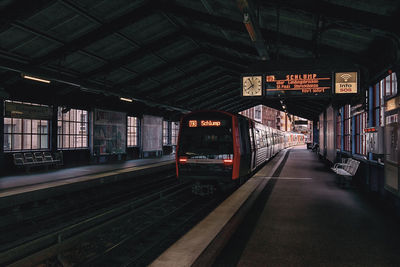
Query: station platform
41	184
300	217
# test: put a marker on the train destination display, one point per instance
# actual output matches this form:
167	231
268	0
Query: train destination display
298	84
204	123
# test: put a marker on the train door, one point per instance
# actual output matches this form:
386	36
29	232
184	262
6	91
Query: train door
252	146
245	155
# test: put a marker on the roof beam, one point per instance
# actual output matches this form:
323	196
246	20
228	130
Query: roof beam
225	102
21	10
338	13
240	107
160	91
203	36
162	68
193	84
135	55
99	33
237	26
214	93
235	103
206	90
184	58
217	98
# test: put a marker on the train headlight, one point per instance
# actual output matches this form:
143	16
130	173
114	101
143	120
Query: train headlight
228	162
182	160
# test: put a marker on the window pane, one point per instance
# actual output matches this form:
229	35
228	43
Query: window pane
44	129
66	141
17	126
36	126
7	125
26	140
16	142
44	141
7	142
27	126
35	141
71	141
84	141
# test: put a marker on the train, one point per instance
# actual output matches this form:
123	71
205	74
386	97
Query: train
218	148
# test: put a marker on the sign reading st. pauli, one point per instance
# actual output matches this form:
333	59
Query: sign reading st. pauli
346	83
298	83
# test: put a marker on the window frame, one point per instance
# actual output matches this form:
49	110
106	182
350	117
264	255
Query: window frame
73	132
132	136
24	132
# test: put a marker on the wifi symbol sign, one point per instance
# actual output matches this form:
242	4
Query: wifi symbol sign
346	77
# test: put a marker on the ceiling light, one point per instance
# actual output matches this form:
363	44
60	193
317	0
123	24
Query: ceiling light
126	99
35	78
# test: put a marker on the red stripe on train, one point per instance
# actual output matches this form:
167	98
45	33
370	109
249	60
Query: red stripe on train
236	148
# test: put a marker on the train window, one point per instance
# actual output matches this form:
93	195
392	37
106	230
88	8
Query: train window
206	141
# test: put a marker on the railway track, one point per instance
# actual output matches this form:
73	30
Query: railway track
20	225
91	234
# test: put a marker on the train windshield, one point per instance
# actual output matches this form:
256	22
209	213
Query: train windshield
213	138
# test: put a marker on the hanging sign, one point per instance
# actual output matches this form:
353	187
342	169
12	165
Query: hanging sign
298	84
346	83
26	111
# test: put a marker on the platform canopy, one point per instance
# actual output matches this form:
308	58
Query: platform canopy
175	56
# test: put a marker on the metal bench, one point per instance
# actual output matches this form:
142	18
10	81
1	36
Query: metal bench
28	159
345	171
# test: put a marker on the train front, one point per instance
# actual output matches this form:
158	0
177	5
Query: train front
206	150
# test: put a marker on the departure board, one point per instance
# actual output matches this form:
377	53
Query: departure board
298	84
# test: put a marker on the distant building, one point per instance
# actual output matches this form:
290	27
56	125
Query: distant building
270	117
279	120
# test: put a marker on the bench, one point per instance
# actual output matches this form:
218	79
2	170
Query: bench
27	160
345	170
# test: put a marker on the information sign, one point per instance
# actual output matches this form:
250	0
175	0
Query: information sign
298	84
346	83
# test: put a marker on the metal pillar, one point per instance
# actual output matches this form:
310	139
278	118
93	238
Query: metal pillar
2	160
54	129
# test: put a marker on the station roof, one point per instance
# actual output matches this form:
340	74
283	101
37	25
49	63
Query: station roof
176	56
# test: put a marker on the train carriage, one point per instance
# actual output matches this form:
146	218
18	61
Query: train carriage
219	148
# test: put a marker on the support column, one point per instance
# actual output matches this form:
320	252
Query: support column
2	160
54	129
370	112
353	135
342	129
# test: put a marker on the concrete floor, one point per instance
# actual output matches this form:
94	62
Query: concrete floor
308	220
38	177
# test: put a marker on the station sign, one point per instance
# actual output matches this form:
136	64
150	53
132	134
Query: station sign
298	84
370	130
346	83
392	104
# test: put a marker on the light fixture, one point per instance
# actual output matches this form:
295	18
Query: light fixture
249	26
126	99
35	78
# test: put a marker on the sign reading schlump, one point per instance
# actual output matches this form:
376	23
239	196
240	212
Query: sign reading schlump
298	83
